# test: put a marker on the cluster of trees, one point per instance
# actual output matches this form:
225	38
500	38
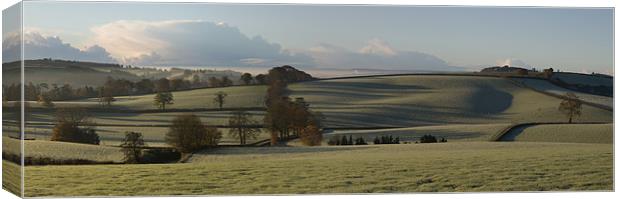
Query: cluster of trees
286	118
284	73
48	93
133	145
386	140
342	140
431	139
73	125
33	92
188	134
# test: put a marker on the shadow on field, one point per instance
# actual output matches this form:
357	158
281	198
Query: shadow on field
401	115
350	91
362	86
489	100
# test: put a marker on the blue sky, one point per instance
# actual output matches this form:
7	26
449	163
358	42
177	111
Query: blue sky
332	36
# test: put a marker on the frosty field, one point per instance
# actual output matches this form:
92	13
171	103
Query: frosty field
443	167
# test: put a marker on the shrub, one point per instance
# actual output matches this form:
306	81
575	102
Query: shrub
428	139
69	132
344	141
386	140
360	141
49	161
311	136
376	141
334	140
188	134
160	156
45	100
338	140
67	127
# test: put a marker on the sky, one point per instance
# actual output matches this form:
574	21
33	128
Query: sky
318	36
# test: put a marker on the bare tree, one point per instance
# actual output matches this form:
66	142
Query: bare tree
242	127
220	98
571	106
105	97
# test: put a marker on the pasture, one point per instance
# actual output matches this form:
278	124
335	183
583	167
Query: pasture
442	167
406	101
461	108
63	150
546	86
467	110
576	133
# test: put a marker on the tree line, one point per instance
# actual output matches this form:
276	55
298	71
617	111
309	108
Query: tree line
112	87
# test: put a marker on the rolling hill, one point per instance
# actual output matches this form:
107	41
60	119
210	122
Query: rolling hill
79	73
453	106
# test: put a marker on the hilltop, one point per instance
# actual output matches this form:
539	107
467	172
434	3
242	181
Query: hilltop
80	73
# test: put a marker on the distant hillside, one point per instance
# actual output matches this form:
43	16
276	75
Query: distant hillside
78	73
596	84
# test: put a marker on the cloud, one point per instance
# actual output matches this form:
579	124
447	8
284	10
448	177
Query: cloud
37	46
378	47
190	42
513	63
377	54
202	43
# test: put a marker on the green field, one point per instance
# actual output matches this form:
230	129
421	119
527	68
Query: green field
446	167
467	110
238	96
406	101
424	102
547	86
63	150
578	133
11	177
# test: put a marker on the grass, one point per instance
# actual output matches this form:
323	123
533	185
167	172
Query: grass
62	150
11	177
546	86
459	108
592	80
422	104
578	133
208	117
431	100
238	96
444	167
